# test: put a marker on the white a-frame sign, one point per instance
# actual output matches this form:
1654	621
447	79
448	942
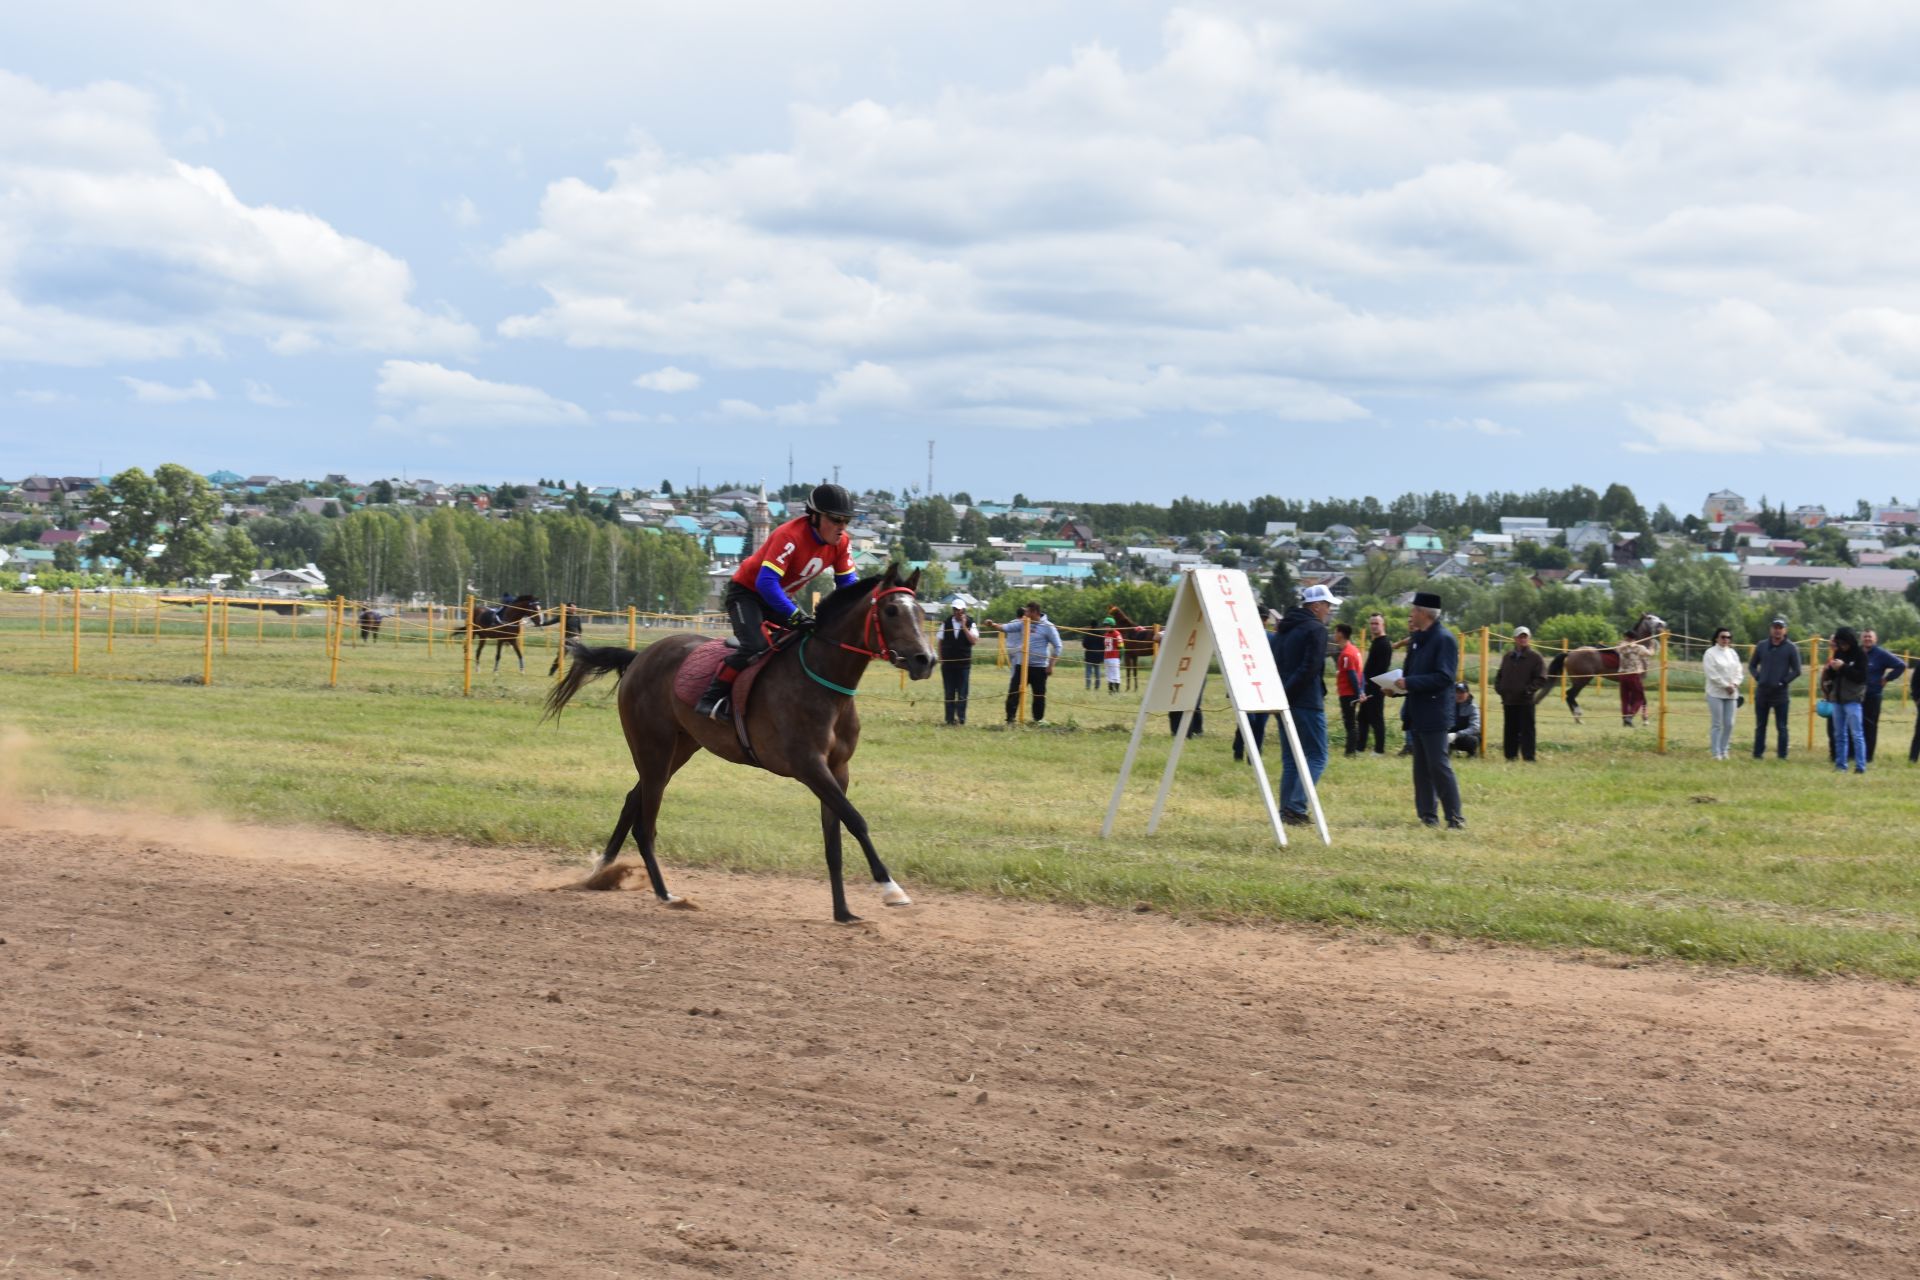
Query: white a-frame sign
1215	611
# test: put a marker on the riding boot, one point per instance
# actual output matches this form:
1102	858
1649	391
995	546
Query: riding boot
713	703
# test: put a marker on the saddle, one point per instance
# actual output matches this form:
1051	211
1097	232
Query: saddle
697	672
489	617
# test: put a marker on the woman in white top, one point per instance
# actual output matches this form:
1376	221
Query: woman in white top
1724	674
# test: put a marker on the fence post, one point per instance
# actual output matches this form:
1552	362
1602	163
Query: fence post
110	596
632	625
225	627
296	619
339	615
429	628
76	631
1662	745
206	659
259	622
560	655
466	680
1813	693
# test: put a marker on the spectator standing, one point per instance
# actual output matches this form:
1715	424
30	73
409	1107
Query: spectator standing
1033	644
1847	673
1465	734
1633	679
1775	665
1300	652
1093	648
956	639
1724	674
1427	680
1518	682
1883	668
1372	707
1349	684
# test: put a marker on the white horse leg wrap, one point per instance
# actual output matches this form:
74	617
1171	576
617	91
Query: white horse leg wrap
893	895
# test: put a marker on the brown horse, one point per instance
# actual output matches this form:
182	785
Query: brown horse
501	624
801	718
1136	639
369	624
1585	665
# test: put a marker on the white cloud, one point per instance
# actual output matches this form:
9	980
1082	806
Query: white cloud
1296	219
464	212
263	395
111	248
1478	426
161	393
668	379
42	396
422	394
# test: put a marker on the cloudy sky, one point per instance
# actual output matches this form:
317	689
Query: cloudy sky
1104	249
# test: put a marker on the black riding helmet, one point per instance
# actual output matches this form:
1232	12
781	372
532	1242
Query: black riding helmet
830	500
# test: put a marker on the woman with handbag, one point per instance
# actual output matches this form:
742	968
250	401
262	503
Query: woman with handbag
1725	672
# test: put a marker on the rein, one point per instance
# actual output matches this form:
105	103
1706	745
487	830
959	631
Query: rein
870	634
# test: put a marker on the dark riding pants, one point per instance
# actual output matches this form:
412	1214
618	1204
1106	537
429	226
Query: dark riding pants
746	611
1870	721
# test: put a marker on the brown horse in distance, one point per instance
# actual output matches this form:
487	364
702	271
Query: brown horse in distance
1136	639
801	718
501	624
1585	665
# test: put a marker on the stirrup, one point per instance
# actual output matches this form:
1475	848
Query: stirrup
717	709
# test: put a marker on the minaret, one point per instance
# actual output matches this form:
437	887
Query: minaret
759	520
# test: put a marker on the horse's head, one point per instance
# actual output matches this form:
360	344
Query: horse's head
896	618
1650	624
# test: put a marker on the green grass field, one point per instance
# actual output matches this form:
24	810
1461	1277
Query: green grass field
1603	844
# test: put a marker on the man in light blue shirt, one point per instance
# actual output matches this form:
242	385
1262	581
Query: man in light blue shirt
1032	645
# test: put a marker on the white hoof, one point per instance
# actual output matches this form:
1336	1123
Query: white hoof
892	895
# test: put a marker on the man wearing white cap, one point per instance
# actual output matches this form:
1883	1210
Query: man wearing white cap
1519	682
1300	652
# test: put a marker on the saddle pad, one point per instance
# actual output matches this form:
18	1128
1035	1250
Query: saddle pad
697	672
1608	659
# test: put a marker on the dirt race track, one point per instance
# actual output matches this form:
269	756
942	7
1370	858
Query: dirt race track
231	1053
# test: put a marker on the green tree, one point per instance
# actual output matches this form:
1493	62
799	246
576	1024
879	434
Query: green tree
929	520
130	505
1576	630
973	528
237	556
66	557
1281	591
381	492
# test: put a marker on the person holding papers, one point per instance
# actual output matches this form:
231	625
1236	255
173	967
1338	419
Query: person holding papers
1427	680
1300	652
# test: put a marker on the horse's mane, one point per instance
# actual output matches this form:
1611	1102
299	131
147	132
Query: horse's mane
1120	617
845	598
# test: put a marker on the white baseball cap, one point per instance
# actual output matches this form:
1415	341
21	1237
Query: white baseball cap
1316	593
1523	631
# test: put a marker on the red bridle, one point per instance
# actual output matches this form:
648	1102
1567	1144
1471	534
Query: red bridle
870	632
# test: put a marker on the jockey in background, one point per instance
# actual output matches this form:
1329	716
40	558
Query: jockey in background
764	585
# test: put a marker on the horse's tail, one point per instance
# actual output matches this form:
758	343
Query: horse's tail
585	663
1559	662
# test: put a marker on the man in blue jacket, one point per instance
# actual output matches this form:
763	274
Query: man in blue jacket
1775	666
1883	668
1427	680
1300	652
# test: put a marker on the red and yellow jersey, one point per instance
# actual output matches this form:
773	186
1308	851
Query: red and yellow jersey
793	556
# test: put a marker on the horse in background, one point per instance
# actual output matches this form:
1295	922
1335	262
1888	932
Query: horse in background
1136	638
500	623
370	624
800	719
1585	665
